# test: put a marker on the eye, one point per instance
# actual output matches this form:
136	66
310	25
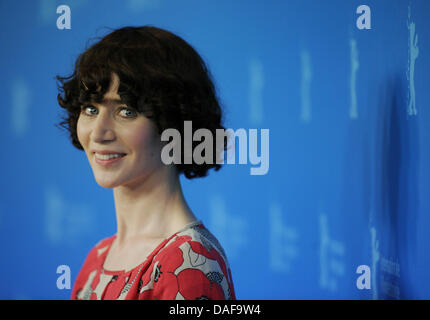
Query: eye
89	109
128	112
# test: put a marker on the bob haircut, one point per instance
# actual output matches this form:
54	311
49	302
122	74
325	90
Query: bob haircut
161	76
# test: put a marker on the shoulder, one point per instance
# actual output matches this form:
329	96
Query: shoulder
92	262
97	251
192	265
197	239
104	243
196	248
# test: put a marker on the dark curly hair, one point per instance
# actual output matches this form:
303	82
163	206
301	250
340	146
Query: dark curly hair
161	76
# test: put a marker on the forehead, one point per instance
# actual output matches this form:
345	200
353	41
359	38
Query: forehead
112	92
111	97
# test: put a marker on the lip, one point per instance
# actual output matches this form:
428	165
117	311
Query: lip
109	162
106	151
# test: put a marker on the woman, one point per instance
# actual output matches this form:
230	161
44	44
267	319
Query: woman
124	91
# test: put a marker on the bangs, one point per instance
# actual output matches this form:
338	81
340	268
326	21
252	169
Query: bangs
94	74
95	70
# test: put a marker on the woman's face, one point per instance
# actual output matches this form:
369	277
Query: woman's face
122	146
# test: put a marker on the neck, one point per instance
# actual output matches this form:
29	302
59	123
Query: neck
150	209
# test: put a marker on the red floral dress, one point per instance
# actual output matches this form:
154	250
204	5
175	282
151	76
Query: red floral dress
191	264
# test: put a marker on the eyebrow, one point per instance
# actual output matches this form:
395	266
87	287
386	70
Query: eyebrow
109	101
114	101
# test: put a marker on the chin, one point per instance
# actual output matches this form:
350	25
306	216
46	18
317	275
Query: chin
108	184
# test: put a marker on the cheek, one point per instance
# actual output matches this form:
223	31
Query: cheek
147	142
82	133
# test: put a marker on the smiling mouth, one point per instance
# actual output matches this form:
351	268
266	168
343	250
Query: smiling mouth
105	157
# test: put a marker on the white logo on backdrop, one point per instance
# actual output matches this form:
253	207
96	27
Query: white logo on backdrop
20	107
413	55
353	113
65	222
255	93
230	229
305	90
283	241
331	257
375	260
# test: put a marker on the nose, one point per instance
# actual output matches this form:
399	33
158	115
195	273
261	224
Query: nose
103	130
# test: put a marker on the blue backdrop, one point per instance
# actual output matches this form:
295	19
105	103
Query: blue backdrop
348	114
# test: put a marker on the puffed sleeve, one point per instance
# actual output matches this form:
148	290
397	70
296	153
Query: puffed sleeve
189	271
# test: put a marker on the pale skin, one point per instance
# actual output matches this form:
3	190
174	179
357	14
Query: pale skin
149	202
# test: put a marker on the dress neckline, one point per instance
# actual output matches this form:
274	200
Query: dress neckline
153	253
